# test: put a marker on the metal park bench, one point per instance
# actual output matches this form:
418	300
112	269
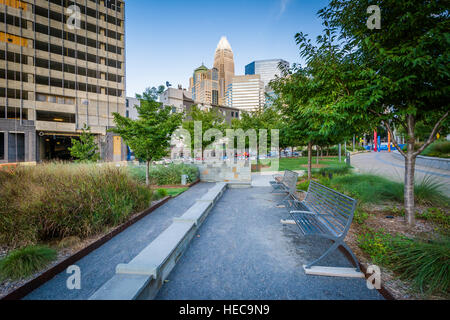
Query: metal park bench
277	183
288	184
325	213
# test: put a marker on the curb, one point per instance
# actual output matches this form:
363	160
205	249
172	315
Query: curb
35	283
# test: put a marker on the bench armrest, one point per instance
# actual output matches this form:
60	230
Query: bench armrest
310	213
306	212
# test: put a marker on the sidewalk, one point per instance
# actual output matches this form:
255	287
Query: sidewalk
243	252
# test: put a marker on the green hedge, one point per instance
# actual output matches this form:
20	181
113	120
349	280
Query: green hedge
166	175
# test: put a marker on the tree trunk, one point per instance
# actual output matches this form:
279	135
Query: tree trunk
317	160
410	163
309	161
147	174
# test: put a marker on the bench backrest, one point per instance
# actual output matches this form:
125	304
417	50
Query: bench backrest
336	210
290	180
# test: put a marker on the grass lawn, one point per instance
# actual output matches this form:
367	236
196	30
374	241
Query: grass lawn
302	162
176	192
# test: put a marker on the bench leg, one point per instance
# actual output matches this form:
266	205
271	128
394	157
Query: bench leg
355	260
331	249
286	199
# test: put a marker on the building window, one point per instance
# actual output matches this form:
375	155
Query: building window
2	146
55	117
128	114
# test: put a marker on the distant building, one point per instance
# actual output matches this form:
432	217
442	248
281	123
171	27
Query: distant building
246	93
229	113
131	111
179	99
224	63
267	69
204	85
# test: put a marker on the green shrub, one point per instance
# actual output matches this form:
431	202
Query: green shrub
377	244
166	175
426	263
303	186
368	188
56	201
335	171
439	149
24	262
360	216
429	192
161	193
437	216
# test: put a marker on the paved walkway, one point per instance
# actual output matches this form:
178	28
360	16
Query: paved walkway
244	252
99	266
385	164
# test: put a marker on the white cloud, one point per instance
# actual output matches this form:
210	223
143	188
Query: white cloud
283	5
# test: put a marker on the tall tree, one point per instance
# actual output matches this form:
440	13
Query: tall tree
85	149
402	70
149	136
210	119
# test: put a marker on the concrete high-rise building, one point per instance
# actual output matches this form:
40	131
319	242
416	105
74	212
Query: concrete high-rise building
267	69
224	63
204	85
59	70
246	93
131	108
179	99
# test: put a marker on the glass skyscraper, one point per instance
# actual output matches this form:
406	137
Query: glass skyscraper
267	69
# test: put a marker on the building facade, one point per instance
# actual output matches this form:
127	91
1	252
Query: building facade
224	63
131	110
179	99
267	69
62	66
246	93
204	85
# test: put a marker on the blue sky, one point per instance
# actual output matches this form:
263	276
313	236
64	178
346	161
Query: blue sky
166	40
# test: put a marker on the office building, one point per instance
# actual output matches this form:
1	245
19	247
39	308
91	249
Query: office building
246	93
60	70
131	110
204	85
224	63
267	69
178	99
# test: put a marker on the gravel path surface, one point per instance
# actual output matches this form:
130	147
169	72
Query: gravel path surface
243	252
99	266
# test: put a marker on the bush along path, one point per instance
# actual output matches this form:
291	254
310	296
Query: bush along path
415	261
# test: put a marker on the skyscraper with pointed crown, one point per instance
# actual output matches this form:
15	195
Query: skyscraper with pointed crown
224	63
